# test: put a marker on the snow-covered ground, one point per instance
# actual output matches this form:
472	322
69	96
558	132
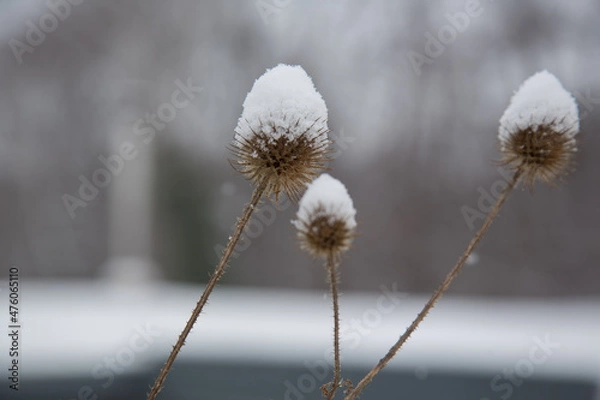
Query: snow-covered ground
81	330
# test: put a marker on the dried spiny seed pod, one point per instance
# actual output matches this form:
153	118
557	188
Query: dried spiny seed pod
537	131
326	218
281	138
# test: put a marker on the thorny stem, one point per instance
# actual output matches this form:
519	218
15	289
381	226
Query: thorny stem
331	266
440	290
219	271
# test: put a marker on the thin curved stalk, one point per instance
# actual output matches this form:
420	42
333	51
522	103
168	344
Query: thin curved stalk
439	291
219	271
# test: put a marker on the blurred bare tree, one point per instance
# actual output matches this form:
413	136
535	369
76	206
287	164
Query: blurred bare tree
414	144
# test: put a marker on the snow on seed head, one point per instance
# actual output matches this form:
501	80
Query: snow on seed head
537	130
281	137
326	221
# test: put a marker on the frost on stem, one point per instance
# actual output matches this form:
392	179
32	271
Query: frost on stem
326	221
537	131
281	137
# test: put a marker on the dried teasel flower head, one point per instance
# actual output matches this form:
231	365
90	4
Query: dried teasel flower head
281	137
537	131
326	218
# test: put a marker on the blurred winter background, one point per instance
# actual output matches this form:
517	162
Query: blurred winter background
415	140
115	118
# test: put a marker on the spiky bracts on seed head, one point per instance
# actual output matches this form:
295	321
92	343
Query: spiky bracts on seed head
537	130
326	221
281	137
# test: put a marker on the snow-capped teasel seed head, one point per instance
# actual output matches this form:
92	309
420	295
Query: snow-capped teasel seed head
537	130
286	97
325	220
281	137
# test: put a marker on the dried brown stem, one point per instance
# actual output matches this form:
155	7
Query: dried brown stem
219	271
337	369
439	291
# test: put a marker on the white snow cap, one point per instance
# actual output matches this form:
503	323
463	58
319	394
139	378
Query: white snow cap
329	195
541	100
283	101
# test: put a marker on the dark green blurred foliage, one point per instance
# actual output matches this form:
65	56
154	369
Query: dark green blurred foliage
185	231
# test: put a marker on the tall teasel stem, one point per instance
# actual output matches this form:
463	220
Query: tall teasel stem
439	291
219	271
280	144
333	282
537	140
326	226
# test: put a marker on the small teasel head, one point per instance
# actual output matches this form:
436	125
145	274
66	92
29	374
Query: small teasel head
281	139
326	221
537	131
